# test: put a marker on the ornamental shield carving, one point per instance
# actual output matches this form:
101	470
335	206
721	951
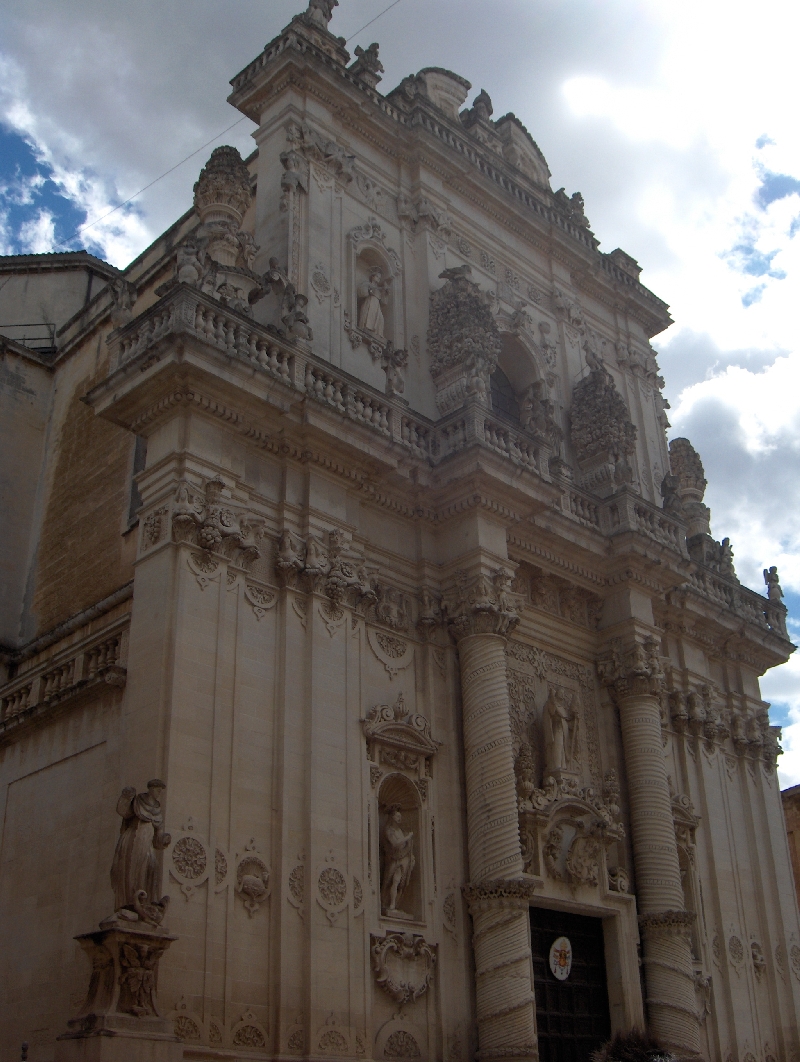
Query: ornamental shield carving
403	964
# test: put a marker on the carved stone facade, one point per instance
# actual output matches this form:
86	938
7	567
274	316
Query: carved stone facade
401	591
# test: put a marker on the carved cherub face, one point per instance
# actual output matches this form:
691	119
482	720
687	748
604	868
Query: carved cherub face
376	275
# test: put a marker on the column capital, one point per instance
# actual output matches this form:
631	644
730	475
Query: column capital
633	669
482	603
513	893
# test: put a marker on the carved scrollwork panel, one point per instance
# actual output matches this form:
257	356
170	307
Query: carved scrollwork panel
403	964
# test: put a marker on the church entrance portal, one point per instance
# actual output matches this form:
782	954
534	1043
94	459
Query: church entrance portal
571	1003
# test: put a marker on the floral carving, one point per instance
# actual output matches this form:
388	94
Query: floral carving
332	886
297	879
186	1028
735	950
137	979
296	1042
189	857
153	529
403	965
401	1044
249	1036
333	1042
794	959
393	647
220	867
358	894
463	340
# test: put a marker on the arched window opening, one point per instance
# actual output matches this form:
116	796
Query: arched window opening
504	399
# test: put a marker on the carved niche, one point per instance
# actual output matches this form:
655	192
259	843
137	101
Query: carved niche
375	274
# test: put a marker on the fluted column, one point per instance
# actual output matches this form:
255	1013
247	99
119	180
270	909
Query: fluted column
635	679
498	898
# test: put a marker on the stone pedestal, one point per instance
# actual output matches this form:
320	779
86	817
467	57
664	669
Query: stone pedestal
120	1021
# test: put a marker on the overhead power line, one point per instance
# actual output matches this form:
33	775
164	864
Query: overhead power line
96	221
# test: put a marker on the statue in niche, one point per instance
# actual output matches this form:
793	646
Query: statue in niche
136	870
560	721
373	294
398	862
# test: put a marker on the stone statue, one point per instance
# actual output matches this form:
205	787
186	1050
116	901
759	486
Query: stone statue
560	732
373	293
398	862
190	263
136	870
670	488
774	591
321	11
394	361
294	316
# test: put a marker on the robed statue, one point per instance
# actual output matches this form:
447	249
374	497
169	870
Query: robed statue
560	732
397	849
136	869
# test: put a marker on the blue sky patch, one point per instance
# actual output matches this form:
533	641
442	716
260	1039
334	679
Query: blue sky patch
28	195
775	186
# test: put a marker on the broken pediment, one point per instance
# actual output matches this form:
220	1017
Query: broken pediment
398	728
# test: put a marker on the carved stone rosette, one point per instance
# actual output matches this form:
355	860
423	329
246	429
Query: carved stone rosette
635	679
480	614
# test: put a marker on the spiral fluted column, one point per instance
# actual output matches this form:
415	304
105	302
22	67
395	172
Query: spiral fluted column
498	898
635	679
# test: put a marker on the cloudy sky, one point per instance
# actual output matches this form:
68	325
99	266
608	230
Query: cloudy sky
676	119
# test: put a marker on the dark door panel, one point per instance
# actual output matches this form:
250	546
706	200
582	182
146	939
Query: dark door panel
572	1015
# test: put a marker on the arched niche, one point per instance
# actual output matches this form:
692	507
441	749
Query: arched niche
517	371
369	254
400	815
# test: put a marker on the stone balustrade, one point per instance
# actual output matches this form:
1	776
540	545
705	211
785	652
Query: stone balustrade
64	673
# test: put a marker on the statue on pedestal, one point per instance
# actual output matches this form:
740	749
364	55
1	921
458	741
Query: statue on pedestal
136	870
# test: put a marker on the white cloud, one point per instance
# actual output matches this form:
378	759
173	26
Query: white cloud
38	235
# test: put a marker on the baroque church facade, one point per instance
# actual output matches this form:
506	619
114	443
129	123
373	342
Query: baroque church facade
347	546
